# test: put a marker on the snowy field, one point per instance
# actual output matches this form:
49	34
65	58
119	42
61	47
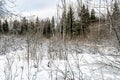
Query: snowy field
43	59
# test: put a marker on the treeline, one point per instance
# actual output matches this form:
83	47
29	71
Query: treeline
71	24
24	26
85	22
47	27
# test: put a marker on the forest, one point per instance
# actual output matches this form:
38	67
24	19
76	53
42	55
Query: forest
80	42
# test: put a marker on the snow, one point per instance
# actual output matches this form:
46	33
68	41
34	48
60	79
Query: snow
55	60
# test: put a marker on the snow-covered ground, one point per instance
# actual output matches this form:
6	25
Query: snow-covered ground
42	59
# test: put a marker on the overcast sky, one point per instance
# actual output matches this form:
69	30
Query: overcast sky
41	8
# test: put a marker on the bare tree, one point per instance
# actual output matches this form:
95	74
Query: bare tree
64	14
114	19
3	7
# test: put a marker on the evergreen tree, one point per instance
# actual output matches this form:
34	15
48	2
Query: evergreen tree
53	22
16	26
53	25
32	28
70	22
61	25
0	26
77	28
37	25
93	17
5	26
24	26
84	20
47	29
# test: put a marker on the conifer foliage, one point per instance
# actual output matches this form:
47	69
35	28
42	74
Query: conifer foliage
70	22
84	20
93	17
5	26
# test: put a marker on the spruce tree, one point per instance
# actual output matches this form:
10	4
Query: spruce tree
24	26
93	17
16	26
84	20
61	25
70	22
47	29
37	25
53	25
5	26
0	26
53	22
32	27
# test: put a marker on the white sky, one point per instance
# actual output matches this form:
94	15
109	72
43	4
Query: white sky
41	8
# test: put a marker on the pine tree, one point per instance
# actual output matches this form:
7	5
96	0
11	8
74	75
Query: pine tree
16	27
61	25
0	26
24	26
77	28
93	17
47	29
64	18
84	20
53	22
32	27
53	25
70	22
5	26
37	25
